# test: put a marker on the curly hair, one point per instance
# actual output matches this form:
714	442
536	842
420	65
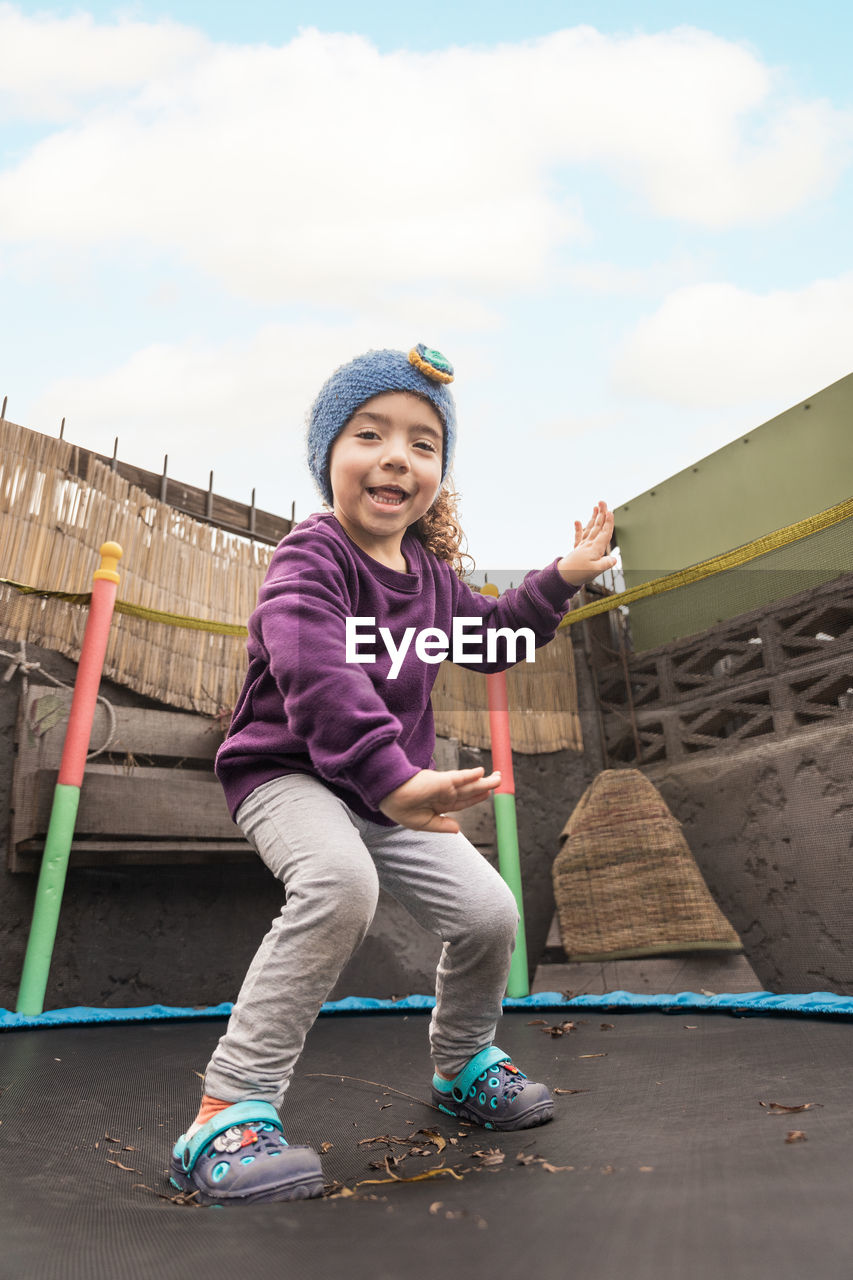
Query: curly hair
440	532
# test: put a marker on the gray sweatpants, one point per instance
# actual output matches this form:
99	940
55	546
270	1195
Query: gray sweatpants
332	863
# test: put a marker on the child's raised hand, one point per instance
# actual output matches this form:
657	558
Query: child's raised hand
422	803
589	556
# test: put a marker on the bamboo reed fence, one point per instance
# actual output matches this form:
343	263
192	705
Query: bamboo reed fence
541	695
51	525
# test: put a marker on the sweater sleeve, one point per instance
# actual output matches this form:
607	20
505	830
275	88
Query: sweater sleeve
538	604
329	703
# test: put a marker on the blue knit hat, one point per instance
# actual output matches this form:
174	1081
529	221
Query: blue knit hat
423	371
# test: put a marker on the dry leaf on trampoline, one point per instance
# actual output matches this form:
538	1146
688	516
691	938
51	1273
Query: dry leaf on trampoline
527	1157
337	1191
779	1108
491	1157
432	1136
559	1029
387	1138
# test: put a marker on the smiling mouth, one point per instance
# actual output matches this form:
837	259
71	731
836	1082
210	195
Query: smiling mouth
388	495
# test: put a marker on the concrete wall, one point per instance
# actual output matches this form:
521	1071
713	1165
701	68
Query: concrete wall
770	827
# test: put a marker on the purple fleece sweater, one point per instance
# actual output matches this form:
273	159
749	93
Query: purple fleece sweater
305	709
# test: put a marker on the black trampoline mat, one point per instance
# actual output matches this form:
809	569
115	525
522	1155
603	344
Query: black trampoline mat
676	1172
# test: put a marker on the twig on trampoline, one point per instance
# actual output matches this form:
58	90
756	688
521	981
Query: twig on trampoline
335	1075
182	1198
417	1177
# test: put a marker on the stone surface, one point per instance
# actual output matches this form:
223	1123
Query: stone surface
770	827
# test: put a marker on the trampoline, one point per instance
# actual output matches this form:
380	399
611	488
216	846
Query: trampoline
668	1157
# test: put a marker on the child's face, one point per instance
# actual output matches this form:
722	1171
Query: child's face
385	467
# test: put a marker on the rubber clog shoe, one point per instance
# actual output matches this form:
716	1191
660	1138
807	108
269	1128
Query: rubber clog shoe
491	1092
241	1157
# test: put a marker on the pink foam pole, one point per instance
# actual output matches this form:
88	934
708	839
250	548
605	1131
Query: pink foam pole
85	698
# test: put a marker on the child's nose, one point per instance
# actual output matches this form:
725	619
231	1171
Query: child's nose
394	455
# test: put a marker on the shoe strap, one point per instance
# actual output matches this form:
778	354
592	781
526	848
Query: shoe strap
478	1064
239	1113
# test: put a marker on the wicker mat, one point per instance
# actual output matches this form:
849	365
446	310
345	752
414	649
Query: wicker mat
625	881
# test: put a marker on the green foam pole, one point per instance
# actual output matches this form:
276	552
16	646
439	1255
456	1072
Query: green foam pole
509	863
51	883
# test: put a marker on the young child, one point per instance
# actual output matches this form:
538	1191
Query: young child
327	769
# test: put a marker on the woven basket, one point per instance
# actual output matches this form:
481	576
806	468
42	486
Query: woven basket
625	881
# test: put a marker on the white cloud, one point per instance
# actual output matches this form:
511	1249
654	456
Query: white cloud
237	408
714	345
52	67
611	279
323	169
695	123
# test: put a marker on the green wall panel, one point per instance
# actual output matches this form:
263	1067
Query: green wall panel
791	467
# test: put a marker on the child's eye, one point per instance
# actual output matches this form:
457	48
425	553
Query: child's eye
368	433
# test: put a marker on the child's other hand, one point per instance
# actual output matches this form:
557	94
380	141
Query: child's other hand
422	803
589	557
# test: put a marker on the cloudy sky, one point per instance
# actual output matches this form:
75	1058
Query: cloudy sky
627	224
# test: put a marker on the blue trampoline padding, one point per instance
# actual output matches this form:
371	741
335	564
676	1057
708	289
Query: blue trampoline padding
814	1004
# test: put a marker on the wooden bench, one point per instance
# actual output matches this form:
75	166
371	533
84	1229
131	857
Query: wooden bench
151	797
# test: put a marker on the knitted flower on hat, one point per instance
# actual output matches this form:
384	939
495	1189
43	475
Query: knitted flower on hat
423	372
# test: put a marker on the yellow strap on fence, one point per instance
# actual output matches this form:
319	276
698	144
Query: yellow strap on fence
716	564
71	597
669	581
135	610
181	620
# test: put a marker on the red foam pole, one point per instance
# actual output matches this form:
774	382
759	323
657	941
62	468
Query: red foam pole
499	729
84	700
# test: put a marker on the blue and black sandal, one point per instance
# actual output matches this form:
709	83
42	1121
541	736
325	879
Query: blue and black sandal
491	1092
241	1157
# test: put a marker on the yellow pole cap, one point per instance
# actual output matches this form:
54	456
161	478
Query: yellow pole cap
111	553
